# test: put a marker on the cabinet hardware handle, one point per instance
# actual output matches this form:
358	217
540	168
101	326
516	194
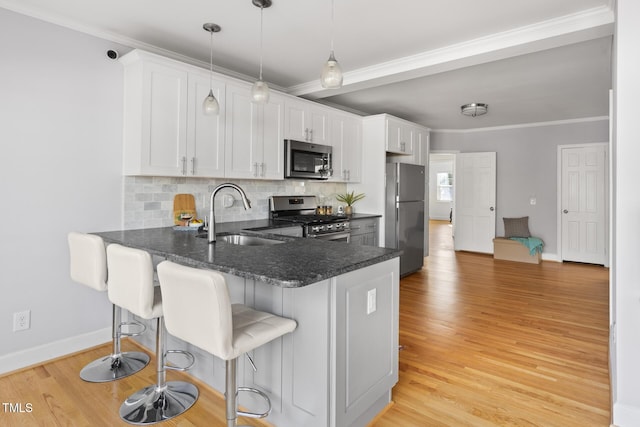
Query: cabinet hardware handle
193	166
255	169
402	145
310	135
306	134
184	165
262	168
491	209
565	211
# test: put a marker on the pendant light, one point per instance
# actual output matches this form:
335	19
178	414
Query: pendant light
331	73
260	89
210	105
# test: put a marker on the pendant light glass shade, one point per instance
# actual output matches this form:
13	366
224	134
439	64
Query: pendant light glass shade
331	74
331	77
210	106
260	92
260	89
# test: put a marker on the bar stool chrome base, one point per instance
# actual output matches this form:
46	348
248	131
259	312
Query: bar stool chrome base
154	404
231	395
114	367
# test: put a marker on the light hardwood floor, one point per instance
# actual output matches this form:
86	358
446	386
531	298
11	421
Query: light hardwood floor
486	343
500	343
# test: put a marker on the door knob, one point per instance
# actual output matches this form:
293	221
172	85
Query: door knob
565	211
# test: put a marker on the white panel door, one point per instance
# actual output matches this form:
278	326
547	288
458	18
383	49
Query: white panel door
474	220
583	204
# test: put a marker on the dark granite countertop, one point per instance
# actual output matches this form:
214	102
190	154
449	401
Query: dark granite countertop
297	262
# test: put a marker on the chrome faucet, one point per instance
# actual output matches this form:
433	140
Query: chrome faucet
212	219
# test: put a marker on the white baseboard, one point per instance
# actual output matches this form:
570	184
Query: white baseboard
44	352
625	415
550	257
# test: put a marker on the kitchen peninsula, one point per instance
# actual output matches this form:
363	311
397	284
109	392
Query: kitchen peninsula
339	366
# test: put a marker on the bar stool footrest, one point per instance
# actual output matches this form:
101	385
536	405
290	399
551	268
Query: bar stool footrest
141	331
188	355
253	414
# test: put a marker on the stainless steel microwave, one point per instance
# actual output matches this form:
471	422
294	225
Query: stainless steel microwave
307	160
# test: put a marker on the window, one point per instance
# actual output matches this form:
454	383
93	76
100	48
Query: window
444	187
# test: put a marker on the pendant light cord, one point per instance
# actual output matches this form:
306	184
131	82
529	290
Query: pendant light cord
261	10
332	25
211	62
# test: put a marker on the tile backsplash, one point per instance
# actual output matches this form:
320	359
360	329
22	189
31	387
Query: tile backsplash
148	201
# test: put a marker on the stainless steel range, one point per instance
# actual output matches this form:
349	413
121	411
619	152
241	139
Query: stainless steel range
302	210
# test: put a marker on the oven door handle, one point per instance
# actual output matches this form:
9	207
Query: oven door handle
331	236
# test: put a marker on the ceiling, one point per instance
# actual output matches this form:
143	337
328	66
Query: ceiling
531	61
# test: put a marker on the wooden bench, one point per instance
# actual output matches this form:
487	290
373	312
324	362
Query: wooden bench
510	250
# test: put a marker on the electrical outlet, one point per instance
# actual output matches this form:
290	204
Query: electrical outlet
21	320
371	301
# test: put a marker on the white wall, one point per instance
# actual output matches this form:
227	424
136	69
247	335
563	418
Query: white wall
626	216
526	166
60	133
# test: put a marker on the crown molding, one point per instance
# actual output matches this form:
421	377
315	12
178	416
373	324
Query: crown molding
51	18
525	125
585	25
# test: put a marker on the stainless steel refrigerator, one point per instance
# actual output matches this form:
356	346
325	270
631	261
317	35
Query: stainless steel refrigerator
404	214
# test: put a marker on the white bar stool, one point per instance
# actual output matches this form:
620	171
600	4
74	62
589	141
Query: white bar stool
132	287
198	310
88	266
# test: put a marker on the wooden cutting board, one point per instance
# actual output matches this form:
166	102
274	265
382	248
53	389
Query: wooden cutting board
184	205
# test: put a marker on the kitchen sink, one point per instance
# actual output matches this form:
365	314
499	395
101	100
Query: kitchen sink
243	239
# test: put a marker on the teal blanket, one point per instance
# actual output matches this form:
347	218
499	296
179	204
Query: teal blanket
533	243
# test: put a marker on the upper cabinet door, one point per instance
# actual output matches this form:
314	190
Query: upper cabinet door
296	121
352	148
319	125
205	134
346	141
165	131
399	137
254	141
241	158
271	131
163	137
305	121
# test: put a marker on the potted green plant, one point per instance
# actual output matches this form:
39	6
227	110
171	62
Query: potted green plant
349	199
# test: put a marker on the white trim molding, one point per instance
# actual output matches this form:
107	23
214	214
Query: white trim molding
526	125
42	353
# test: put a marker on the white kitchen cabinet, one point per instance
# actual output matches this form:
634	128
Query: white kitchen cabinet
165	132
420	138
346	140
364	231
400	136
205	134
306	121
254	138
